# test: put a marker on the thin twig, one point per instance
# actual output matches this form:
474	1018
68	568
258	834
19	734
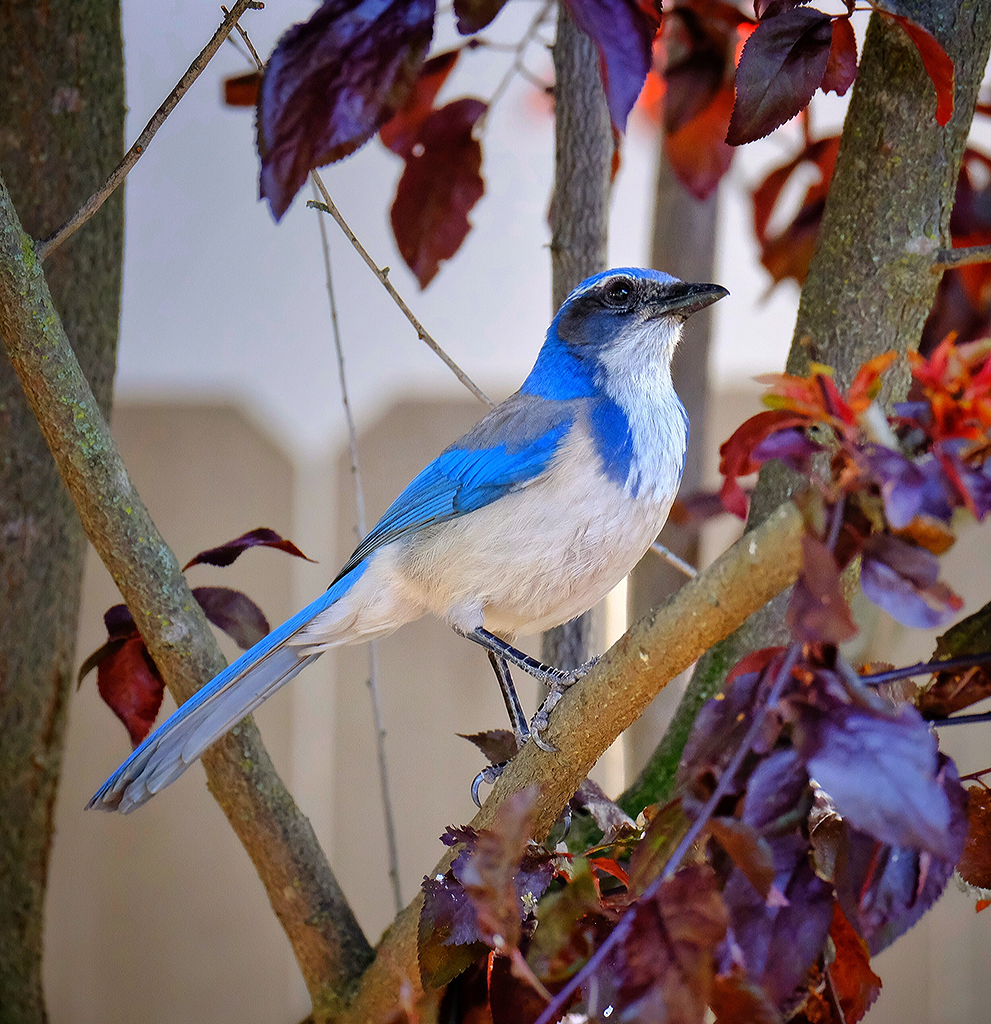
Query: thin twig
925	668
327	206
675	560
120	172
984	716
259	63
947	259
359	496
518	52
553	1009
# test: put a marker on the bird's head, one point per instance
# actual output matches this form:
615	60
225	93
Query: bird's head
623	320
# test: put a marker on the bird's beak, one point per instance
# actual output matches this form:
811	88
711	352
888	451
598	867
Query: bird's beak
684	299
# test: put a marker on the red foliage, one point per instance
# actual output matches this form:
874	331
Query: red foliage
937	63
441	184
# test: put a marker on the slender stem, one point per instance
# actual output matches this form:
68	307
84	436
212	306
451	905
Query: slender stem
672	559
359	496
518	52
946	259
560	1001
327	206
925	668
120	172
259	63
984	716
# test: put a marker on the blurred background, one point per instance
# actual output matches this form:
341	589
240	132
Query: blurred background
229	416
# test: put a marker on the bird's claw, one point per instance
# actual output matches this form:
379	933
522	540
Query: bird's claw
488	776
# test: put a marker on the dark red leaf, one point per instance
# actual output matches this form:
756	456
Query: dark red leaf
474	15
664	968
975	862
242	90
735	454
750	852
903	580
937	63
226	553
131	686
738	1000
332	82
782	65
441	184
856	985
817	610
623	32
841	68
497	745
400	132
233	612
698	151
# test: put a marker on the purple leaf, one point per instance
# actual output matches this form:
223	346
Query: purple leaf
497	745
623	32
817	609
233	612
782	65
228	552
780	941
903	580
881	772
775	789
119	622
332	82
792	447
884	890
441	184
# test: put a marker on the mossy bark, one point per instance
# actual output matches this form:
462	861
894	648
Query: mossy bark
870	285
61	132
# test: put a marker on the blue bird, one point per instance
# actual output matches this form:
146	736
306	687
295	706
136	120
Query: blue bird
526	521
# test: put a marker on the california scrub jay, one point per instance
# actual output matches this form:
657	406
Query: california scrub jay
525	522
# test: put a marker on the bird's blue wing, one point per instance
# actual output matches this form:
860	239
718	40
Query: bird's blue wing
507	449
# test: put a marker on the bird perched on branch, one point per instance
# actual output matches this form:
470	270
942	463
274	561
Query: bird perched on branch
526	521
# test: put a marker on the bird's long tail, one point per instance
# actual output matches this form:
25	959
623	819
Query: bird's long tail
211	711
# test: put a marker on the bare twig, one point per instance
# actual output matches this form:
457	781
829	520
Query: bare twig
947	259
925	668
259	63
120	172
327	206
517	67
359	498
672	559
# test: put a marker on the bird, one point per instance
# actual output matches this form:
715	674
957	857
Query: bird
526	521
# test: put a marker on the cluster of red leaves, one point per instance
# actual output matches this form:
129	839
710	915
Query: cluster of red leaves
721	78
128	679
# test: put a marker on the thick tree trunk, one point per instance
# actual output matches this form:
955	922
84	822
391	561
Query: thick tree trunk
579	232
61	132
683	244
870	285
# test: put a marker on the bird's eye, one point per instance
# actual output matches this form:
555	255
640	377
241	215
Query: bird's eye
618	293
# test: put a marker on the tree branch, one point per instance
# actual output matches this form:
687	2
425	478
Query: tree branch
327	941
596	710
44	248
